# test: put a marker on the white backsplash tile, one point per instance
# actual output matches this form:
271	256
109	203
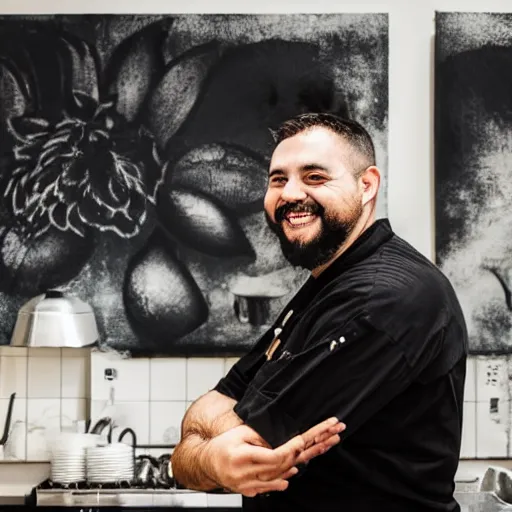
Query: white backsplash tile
15	449
229	362
470	384
134	415
75	373
7	350
168	379
45	352
202	375
131	382
76	352
492	429
72	410
44	376
13	376
43	424
491	378
165	422
492	406
468	447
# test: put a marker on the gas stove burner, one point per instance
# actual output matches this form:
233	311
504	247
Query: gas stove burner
122	484
106	486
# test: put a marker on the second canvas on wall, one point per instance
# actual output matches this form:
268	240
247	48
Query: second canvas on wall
134	154
473	170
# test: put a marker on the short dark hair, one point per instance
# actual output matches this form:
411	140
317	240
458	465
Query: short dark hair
353	132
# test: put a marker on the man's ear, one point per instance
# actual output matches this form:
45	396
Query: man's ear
369	183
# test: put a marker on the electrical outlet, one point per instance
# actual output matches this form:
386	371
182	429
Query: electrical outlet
110	374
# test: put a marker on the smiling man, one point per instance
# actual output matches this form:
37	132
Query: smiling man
312	202
374	339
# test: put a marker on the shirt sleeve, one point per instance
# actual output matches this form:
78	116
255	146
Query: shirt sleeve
235	383
350	372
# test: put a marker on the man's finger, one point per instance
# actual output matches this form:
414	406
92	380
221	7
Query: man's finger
288	474
270	464
270	474
288	453
336	430
292	449
318	449
332	425
263	456
254	487
281	469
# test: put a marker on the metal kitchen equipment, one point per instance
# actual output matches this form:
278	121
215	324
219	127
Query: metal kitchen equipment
55	320
7	426
130	494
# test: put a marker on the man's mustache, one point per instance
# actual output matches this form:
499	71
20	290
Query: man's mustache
284	209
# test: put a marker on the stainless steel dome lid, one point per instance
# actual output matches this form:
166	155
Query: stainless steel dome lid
55	320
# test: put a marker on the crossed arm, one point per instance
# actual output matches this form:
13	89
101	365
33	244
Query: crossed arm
218	451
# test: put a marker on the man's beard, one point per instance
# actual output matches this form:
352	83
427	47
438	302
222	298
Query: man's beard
319	250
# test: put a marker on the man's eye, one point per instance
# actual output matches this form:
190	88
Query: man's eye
278	180
315	177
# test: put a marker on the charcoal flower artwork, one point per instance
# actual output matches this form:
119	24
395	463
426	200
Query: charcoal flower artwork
473	171
134	155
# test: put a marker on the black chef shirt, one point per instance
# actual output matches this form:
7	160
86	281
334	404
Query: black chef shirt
378	340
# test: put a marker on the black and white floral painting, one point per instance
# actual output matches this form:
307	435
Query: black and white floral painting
133	163
473	170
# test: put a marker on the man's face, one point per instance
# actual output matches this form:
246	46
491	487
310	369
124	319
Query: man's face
313	200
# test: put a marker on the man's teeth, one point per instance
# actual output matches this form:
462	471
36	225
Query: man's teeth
296	219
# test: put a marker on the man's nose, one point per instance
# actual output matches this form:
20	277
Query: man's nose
293	191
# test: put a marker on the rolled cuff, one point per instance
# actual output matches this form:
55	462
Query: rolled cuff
232	385
265	415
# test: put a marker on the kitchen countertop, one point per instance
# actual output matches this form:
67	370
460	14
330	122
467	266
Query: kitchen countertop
19	479
169	498
14	494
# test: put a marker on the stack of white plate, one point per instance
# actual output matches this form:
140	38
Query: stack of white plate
68	465
110	463
67	455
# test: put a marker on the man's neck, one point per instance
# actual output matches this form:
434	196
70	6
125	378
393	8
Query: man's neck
364	222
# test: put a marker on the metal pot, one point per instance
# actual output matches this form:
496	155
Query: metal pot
54	320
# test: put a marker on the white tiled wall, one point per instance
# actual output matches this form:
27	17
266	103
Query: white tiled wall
468	448
52	390
492	407
151	395
57	388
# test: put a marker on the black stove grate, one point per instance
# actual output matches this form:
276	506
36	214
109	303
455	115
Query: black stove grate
134	484
152	473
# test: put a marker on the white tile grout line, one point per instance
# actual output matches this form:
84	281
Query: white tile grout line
26	407
149	400
186	379
475	390
61	381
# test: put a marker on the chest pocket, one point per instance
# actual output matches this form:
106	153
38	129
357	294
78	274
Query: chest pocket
294	360
276	375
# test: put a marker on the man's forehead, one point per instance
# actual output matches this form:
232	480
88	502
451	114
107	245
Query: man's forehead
315	146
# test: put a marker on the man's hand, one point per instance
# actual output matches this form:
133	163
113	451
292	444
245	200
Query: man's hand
241	461
318	439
